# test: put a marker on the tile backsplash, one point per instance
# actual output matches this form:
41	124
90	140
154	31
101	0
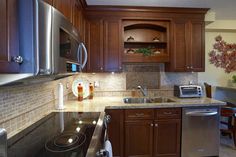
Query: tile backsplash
23	105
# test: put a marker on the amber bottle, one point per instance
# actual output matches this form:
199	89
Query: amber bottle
80	92
91	91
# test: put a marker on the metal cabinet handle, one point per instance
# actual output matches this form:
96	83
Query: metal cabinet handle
18	59
151	125
167	113
101	68
139	114
188	67
156	125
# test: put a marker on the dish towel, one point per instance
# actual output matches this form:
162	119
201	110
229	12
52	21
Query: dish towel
108	148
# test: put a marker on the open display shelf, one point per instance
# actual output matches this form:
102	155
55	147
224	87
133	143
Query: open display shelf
146	34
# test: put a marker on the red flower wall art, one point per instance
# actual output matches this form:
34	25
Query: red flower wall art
223	55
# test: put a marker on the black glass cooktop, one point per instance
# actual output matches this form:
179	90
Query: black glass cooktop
60	134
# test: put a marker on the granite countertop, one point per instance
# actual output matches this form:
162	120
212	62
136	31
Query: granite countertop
98	104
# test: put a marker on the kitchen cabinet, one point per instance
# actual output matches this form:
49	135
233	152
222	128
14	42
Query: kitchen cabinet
103	44
9	42
112	57
139	132
188	49
78	19
65	7
94	44
151	35
49	1
153	136
115	131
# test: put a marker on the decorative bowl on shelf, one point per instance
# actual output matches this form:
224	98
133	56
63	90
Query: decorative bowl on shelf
156	39
130	51
130	38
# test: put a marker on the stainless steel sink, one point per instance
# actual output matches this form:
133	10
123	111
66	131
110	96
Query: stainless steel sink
147	100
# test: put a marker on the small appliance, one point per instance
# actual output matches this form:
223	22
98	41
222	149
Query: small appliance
188	91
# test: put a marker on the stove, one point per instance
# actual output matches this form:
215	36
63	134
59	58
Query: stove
60	134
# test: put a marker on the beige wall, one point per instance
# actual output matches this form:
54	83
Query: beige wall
213	75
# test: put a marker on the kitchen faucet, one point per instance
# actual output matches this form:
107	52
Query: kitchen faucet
143	90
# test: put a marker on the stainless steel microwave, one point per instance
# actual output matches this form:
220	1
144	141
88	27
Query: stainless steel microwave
50	46
188	91
58	47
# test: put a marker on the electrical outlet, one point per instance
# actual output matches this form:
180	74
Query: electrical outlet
67	85
96	84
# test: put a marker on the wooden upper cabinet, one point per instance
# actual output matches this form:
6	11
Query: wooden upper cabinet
187	48
112	57
78	18
103	44
197	46
49	1
94	44
65	7
9	43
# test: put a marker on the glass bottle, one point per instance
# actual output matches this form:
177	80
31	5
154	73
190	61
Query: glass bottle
91	91
80	92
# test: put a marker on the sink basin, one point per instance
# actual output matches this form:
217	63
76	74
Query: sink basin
147	100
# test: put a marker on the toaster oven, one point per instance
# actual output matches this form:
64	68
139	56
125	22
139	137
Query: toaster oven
188	91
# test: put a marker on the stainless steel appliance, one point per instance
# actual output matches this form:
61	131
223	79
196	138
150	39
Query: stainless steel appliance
3	143
188	91
200	132
49	44
60	134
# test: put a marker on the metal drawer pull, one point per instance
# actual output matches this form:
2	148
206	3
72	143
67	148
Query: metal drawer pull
139	114
151	125
167	113
156	125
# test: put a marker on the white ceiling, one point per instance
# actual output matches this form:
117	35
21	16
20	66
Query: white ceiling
224	9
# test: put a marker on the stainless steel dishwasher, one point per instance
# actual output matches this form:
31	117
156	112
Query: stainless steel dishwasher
200	132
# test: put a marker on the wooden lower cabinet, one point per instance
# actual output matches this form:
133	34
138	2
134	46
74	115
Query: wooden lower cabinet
145	132
116	131
138	138
167	138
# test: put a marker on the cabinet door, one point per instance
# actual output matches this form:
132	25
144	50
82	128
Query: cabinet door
9	42
65	7
167	138
179	53
77	15
138	138
94	44
112	46
197	48
49	1
116	131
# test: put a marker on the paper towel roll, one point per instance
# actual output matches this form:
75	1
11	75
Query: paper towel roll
60	105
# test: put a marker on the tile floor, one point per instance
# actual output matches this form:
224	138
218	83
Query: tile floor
227	148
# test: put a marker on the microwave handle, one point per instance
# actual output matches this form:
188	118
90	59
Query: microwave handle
85	54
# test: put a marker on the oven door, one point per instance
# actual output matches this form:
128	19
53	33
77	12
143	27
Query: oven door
69	54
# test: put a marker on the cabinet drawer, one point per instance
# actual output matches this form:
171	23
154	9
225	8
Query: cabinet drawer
168	113
132	114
